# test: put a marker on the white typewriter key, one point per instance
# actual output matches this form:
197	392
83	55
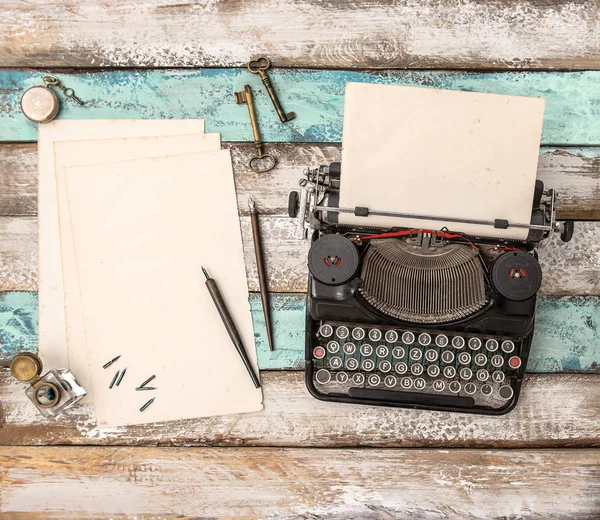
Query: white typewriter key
487	389
449	372
474	343
374	334
349	348
466	373
335	362
341	377
464	358
391	336
416	369
424	339
342	332
382	351
433	371
325	330
390	381
483	374
438	385
416	354
458	342
447	356
385	366
505	392
366	349
368	365
480	360
431	355
497	360
373	379
319	352
323	376
470	388
351	363
514	362
508	346
419	383
358	379
406	382
398	352
333	347
401	368
408	338
497	376
491	345
358	334
454	386
441	340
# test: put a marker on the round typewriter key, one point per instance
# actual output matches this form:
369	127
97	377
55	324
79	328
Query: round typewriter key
508	346
464	358
419	383
514	362
458	342
385	366
401	368
382	351
505	392
349	348
466	373
416	354
373	379
335	362
470	388
487	389
342	332
441	340
323	376
391	336
454	386
474	343
438	385
325	330
390	381
366	349
480	359
351	364
319	352
358	334
368	365
424	339
416	369
449	372
341	377
333	347
497	360
431	355
447	356
398	352
408	338
406	382
483	374
497	376
491	345
374	334
358	379
433	371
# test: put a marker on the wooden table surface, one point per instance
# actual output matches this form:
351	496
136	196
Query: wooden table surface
302	458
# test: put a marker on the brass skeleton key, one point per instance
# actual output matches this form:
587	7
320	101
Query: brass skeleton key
260	66
245	96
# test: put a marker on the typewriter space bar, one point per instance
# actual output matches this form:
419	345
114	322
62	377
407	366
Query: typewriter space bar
411	397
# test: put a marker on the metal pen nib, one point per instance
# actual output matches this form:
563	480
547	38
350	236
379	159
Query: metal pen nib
205	273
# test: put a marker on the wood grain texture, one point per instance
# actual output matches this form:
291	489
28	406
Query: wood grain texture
300	484
553	411
570	117
345	34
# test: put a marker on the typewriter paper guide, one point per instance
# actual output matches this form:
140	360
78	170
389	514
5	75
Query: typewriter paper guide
441	153
97	151
141	231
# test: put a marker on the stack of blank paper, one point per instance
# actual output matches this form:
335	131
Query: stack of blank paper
128	212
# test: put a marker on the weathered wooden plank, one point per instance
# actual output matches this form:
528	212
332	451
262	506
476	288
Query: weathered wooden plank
574	172
553	411
431	34
571	114
567	331
299	483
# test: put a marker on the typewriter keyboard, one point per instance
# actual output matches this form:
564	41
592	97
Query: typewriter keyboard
401	364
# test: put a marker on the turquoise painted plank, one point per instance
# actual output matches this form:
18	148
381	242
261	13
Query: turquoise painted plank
567	331
571	117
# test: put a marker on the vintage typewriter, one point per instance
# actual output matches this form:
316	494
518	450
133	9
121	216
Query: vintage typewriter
417	318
